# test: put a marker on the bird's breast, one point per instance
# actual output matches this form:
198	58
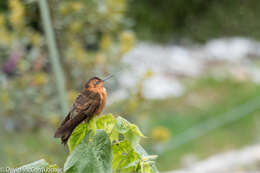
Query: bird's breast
103	97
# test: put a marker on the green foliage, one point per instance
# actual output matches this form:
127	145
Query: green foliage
130	131
157	20
92	155
124	138
105	144
78	134
37	166
106	122
125	158
199	20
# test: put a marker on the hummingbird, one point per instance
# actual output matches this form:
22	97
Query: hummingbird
89	103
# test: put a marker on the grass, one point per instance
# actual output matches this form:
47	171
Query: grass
19	148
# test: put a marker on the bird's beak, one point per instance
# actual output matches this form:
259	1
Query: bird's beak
108	77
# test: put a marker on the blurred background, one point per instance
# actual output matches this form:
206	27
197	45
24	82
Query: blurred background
187	72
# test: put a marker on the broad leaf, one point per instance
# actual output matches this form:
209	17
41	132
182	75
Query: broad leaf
77	136
133	135
92	155
39	165
91	126
106	122
144	166
122	125
136	130
125	159
130	131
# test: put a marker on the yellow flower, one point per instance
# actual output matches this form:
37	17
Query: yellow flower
75	26
105	41
116	6
2	20
36	39
40	79
6	100
77	6
23	65
72	95
6	38
149	73
77	52
17	13
127	39
4	97
144	158
160	134
64	9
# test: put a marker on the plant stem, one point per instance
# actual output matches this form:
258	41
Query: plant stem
54	55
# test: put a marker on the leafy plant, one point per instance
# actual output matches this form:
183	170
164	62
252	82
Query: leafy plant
37	166
106	144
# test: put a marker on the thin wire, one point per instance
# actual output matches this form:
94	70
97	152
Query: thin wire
213	123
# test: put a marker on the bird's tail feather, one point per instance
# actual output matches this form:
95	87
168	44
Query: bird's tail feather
64	134
67	127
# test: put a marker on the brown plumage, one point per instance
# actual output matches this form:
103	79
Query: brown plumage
89	103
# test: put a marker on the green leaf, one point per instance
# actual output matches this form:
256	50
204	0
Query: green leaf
146	168
122	125
125	159
136	130
40	165
106	122
133	135
77	136
132	138
91	126
140	150
151	157
92	155
114	135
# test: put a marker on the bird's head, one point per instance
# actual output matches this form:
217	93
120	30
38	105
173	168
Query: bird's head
96	82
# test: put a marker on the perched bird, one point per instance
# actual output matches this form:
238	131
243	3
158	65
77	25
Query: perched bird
89	103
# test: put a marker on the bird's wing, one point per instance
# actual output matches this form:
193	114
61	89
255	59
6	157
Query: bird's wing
82	103
84	107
